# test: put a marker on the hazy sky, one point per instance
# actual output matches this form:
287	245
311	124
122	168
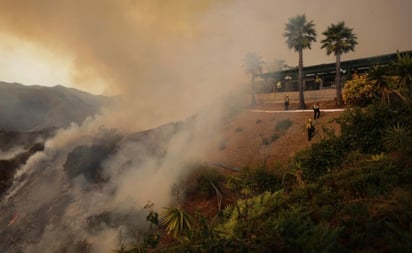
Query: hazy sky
170	58
143	46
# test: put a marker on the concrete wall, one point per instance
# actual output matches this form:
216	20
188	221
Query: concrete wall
310	96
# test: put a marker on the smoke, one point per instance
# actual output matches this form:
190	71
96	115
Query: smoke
9	154
173	57
167	60
159	55
54	209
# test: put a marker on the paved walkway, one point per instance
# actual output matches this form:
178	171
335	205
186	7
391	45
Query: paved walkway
289	111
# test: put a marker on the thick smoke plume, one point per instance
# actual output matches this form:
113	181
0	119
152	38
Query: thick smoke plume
51	207
167	60
180	54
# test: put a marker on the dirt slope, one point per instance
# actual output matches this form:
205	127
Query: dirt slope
252	139
247	142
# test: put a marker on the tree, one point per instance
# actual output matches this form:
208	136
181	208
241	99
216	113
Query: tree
253	67
276	65
300	35
339	39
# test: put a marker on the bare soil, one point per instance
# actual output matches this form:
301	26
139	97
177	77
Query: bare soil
247	142
252	139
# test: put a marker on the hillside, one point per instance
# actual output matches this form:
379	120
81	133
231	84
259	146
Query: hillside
253	138
96	183
82	161
24	108
348	193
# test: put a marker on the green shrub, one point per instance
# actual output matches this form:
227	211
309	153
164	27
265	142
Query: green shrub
359	91
266	141
364	129
301	234
265	180
323	157
274	137
283	125
361	130
204	180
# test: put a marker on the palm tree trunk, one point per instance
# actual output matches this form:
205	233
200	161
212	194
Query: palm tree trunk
300	81
338	81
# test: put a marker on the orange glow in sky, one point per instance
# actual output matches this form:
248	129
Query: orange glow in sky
31	64
141	46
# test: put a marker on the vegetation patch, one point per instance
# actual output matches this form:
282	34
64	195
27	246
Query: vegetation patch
283	125
274	137
266	141
222	144
345	193
238	129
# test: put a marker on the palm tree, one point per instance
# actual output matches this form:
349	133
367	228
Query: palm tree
300	35
253	67
339	39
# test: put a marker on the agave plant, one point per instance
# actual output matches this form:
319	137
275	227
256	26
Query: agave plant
295	171
177	221
398	136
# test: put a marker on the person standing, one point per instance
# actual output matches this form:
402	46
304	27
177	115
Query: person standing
286	103
316	111
310	128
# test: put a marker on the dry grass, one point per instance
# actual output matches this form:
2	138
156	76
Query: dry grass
251	138
246	141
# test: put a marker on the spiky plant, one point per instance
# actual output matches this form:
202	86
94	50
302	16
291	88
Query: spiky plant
398	136
178	222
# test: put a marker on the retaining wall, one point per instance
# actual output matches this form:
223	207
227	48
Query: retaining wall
310	96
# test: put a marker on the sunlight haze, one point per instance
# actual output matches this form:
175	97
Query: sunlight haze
181	46
180	112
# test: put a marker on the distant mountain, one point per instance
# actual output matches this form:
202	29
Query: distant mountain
27	108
